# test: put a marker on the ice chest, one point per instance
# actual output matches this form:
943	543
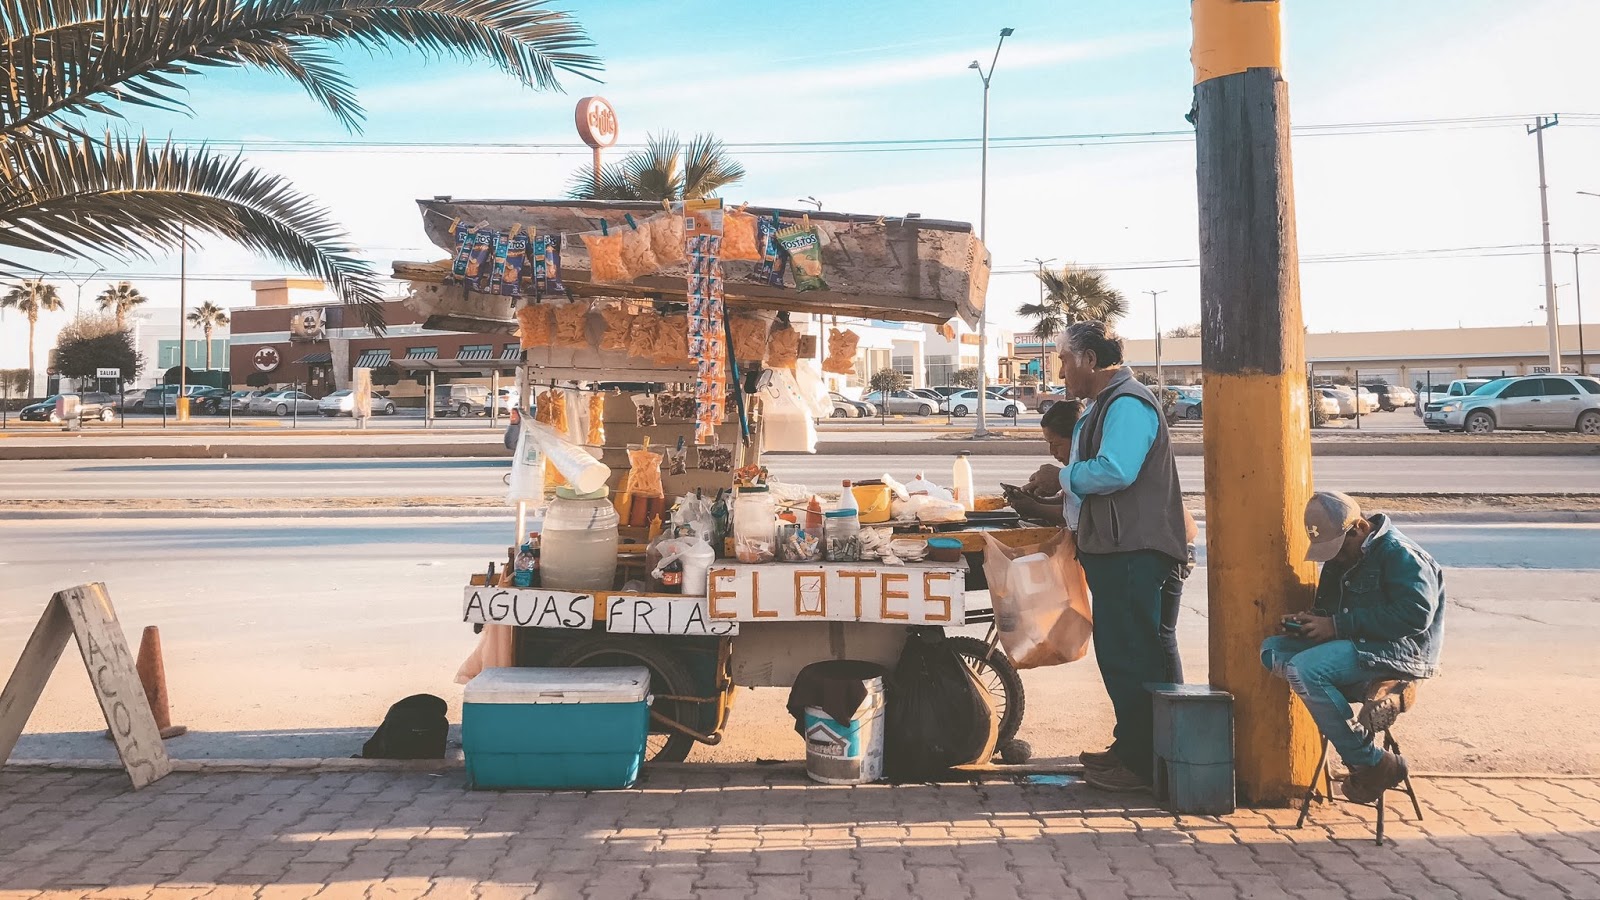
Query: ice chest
555	729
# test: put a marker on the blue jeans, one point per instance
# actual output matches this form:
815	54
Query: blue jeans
1320	674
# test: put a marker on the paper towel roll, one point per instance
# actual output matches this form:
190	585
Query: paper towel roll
576	465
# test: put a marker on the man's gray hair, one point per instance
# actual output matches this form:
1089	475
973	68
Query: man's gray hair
1095	337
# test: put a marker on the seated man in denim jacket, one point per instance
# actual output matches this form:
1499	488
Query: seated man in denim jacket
1378	624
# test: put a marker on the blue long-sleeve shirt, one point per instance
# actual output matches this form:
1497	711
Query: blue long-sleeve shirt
1129	433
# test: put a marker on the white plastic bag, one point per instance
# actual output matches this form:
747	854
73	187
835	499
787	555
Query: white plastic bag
1041	600
788	421
920	485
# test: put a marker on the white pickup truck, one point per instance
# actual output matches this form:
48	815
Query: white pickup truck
1433	396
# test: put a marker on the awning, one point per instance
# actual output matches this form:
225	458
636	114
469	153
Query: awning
421	353
373	359
480	354
316	359
513	353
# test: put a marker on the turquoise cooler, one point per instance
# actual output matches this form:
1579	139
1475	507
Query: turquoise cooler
555	729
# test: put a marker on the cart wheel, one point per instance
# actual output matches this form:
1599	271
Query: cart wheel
997	676
667	676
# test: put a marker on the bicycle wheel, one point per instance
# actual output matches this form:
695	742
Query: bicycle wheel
998	677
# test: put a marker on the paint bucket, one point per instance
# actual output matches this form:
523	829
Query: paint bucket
847	752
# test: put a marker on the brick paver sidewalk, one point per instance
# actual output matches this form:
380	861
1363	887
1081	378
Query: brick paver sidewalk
719	835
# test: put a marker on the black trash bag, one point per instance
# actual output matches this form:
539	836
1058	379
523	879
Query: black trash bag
938	715
415	728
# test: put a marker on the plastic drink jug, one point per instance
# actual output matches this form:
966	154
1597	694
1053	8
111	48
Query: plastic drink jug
961	481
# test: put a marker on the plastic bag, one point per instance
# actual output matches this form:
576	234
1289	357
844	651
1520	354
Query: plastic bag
773	262
666	237
516	262
938	715
787	423
1041	601
739	237
605	257
644	410
533	326
644	472
932	510
642	335
783	348
595	433
572	326
638	256
921	485
841	352
671	345
618	321
749	338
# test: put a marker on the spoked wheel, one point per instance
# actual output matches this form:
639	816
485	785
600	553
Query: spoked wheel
998	677
667	677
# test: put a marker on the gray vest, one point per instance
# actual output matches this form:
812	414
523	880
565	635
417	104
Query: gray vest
1146	515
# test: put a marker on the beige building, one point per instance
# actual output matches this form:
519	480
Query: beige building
1396	357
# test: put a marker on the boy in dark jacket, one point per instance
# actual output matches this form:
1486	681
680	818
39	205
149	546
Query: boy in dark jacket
1377	627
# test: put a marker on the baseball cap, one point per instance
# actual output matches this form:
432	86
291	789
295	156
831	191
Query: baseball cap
1329	516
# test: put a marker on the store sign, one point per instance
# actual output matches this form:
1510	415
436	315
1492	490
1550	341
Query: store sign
625	614
108	373
309	325
597	122
913	595
267	359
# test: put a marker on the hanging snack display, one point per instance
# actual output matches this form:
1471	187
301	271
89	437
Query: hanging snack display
740	237
773	262
750	338
605	256
714	457
841	358
671	346
533	326
480	262
783	347
666	237
642	335
618	320
803	243
466	238
676	407
644	471
547	266
644	406
677	460
707	333
514	263
638	257
596	436
571	326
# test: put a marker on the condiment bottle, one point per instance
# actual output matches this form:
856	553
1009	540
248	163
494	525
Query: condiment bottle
814	515
847	499
961	481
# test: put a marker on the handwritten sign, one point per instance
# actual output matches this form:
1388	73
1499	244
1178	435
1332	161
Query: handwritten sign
624	613
86	611
851	592
665	615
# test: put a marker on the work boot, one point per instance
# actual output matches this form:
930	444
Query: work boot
1384	702
1099	759
1366	784
1119	780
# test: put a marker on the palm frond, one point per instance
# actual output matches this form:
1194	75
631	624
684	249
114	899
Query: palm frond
1083	294
121	198
64	59
708	168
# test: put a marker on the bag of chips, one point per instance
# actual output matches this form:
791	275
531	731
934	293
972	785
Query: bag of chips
769	270
644	472
533	326
672	340
841	358
466	238
572	326
516	261
480	262
642	335
618	321
637	256
702	216
804	246
749	338
547	266
666	237
644	410
740	239
596	436
783	347
605	257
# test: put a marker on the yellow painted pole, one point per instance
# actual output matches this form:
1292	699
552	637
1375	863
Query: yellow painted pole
1257	441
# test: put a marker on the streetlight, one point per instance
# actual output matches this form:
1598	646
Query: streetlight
1043	364
811	201
79	284
982	427
1552	317
1155	313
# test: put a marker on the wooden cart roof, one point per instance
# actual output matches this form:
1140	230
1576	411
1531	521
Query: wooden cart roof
903	269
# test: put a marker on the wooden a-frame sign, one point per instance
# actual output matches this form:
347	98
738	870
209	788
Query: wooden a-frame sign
85	612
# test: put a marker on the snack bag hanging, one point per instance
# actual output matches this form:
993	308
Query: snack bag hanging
502	246
638	257
465	238
511	266
480	261
644	471
740	237
533	326
642	335
750	338
774	262
702	216
618	321
672	340
707	334
804	246
605	256
596	432
547	266
841	358
571	326
783	347
666	237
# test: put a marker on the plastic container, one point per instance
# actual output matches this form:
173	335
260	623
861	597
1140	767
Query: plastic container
555	729
961	481
578	544
872	502
755	525
946	550
696	557
847	498
847	752
842	533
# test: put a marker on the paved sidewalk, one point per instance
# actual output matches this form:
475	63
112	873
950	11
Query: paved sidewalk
722	835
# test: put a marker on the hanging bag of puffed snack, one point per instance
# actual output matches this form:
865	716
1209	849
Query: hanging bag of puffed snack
841	359
514	264
638	257
533	326
595	432
480	262
774	262
740	236
750	338
666	236
803	243
644	471
550	408
605	255
571	326
702	216
783	346
671	346
618	321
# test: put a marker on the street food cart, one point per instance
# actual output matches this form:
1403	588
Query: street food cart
592	337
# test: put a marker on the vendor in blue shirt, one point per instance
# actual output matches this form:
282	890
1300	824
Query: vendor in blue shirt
1120	495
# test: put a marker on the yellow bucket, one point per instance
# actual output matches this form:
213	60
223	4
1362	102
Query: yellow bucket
873	501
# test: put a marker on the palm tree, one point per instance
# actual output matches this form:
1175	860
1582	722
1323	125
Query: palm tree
30	298
1071	295
67	190
208	316
121	298
664	170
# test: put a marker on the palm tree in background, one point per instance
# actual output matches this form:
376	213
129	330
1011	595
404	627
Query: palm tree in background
665	170
67	67
121	298
208	316
31	297
1072	295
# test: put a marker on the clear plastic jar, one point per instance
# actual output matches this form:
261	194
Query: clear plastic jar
755	522
843	532
578	546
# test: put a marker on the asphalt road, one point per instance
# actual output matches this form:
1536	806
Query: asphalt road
288	637
114	480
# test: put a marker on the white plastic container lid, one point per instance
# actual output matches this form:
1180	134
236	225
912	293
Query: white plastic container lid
531	685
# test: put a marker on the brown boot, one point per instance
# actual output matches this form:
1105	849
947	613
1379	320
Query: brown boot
1099	759
1365	784
1385	701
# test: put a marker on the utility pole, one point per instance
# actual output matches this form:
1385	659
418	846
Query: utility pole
1257	448
1155	313
1044	364
78	311
982	427
1577	292
1552	321
181	403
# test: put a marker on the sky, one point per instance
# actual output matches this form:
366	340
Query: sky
1428	225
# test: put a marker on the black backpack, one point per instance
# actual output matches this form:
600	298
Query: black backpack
415	728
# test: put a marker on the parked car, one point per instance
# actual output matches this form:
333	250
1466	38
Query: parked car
240	400
1328	404
91	405
1188	405
843	409
460	399
1350	401
1051	398
902	403
1391	396
508	399
951	390
343	403
937	398
1540	402
966	402
210	402
862	408
1434	396
282	403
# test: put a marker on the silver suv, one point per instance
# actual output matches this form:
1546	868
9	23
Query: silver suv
1542	402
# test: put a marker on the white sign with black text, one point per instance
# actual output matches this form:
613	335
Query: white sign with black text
625	613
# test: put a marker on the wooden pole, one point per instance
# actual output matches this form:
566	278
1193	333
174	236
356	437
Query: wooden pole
1257	448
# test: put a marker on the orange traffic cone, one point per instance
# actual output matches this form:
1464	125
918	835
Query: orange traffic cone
153	675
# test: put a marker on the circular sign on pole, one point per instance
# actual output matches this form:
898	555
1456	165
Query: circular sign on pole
597	122
267	359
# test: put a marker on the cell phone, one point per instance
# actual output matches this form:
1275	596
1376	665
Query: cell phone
1293	625
1009	488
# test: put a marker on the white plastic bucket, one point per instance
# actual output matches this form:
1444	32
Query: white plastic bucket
847	752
